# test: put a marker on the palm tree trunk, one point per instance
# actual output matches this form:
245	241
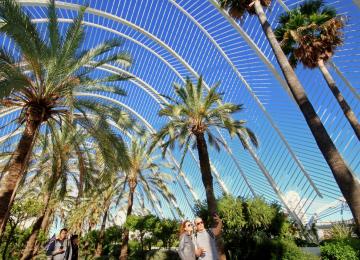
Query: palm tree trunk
348	112
99	246
30	244
17	166
7	214
205	169
125	241
45	227
207	180
348	184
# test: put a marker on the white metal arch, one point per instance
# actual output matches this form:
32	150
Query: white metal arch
60	4
151	92
112	17
254	96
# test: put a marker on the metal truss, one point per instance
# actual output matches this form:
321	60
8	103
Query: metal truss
258	50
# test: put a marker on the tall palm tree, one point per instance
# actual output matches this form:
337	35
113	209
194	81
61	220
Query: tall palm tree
64	152
43	79
348	184
194	116
144	174
310	34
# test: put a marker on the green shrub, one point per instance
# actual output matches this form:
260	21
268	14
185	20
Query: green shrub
288	250
162	254
339	250
341	231
135	251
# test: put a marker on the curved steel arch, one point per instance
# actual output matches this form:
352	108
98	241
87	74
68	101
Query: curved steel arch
173	202
65	20
60	4
145	86
161	43
147	124
254	96
144	121
157	96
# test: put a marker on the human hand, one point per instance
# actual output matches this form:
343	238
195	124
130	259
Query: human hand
200	251
60	251
216	217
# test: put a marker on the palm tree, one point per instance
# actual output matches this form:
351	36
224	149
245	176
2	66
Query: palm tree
194	116
56	163
310	34
144	174
43	79
348	184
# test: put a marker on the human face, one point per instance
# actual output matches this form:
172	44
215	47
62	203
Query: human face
63	234
188	227
199	224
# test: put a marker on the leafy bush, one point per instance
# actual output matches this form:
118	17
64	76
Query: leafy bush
254	229
341	231
162	255
135	251
339	250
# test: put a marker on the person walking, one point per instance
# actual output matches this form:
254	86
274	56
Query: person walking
186	247
205	239
60	249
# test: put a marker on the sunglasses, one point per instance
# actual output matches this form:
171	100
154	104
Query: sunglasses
197	224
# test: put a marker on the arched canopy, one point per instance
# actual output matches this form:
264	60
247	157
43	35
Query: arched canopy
170	40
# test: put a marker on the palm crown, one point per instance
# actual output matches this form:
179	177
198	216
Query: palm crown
146	170
43	79
237	8
309	33
198	112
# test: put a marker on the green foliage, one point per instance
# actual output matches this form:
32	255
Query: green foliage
88	242
339	250
135	251
166	231
162	255
258	214
141	223
341	231
254	229
232	211
111	244
13	241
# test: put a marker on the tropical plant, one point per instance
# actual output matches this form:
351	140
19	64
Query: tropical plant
339	250
24	209
166	230
144	225
54	166
193	117
341	231
347	182
43	80
145	174
310	34
113	192
252	228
